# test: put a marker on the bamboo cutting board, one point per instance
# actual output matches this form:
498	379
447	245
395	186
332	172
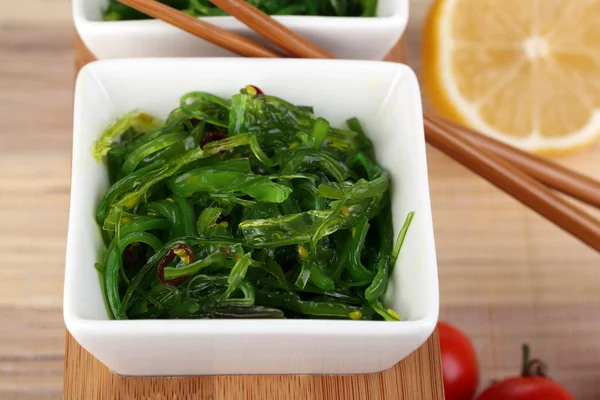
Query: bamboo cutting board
418	377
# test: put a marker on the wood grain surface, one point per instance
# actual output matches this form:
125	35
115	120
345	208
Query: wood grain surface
506	275
418	377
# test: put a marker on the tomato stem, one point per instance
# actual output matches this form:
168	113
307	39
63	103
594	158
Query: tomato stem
525	359
532	367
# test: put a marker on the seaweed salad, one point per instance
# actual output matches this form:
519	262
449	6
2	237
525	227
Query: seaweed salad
204	8
248	207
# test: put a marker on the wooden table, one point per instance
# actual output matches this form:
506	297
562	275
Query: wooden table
506	275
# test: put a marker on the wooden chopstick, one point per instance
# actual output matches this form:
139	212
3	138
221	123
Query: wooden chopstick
551	174
221	37
493	168
271	30
516	183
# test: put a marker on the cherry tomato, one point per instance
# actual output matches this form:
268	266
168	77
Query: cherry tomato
459	364
526	388
532	384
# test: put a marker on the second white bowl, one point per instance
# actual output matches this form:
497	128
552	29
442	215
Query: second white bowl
344	37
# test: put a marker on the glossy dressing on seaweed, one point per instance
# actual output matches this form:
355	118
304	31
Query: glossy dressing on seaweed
250	207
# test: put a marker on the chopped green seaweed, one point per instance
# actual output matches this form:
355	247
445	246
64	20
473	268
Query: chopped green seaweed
244	208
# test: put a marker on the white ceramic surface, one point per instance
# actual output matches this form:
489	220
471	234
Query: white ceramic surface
385	96
347	37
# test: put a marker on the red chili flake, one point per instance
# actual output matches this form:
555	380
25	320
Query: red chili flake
167	258
133	256
226	250
128	254
211	136
251	88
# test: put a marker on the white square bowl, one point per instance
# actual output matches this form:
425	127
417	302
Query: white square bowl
384	96
344	37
